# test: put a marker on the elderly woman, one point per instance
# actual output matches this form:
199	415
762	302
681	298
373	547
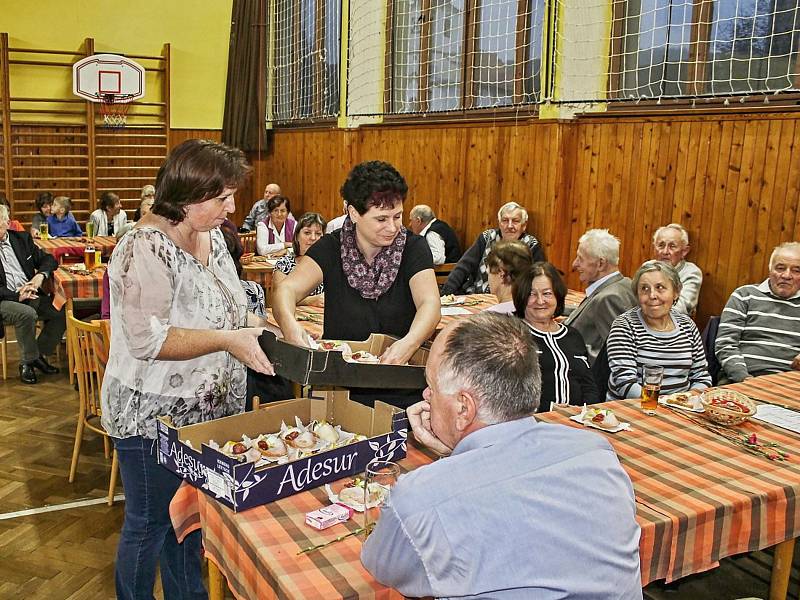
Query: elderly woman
378	276
309	229
539	294
109	218
61	223
44	207
148	197
470	275
655	335
507	261
671	245
179	346
275	233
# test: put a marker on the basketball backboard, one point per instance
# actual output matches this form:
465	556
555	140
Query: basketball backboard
100	75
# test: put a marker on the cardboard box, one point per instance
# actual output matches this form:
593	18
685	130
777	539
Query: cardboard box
243	485
323	367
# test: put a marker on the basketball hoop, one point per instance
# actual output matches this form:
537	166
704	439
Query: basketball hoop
114	108
112	81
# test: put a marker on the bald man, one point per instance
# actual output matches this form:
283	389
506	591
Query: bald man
259	211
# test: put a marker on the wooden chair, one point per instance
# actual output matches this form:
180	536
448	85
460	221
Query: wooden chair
90	343
443	272
4	348
248	241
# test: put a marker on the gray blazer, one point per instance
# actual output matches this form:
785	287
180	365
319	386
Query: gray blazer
594	316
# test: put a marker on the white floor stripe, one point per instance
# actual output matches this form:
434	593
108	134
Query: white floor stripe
56	507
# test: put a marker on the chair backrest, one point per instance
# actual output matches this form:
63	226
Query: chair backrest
709	339
80	335
443	272
248	241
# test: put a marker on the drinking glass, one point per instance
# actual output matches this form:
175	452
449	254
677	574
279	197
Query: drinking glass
90	229
652	376
44	231
98	258
379	477
88	258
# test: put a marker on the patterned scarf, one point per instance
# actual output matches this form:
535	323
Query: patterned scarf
371	281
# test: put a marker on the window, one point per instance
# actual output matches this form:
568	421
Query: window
695	48
448	55
304	62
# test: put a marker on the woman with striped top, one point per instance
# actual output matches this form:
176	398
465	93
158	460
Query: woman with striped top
539	294
655	334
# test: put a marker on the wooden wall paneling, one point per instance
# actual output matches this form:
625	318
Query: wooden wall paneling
560	241
698	160
483	180
450	203
668	177
787	158
790	228
763	193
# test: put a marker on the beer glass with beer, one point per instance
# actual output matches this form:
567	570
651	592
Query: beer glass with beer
652	376
90	229
44	231
89	257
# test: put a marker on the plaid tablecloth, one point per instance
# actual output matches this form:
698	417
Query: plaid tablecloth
257	550
781	388
68	285
699	498
75	246
312	318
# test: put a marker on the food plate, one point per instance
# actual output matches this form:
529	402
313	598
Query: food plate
585	418
378	494
451	300
683	401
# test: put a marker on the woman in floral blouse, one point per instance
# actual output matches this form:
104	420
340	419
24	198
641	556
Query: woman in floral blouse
179	346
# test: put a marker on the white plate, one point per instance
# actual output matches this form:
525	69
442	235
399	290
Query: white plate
623	426
358	506
663	402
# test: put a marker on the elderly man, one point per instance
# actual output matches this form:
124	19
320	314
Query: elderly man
259	211
671	245
440	236
23	269
608	293
470	275
759	332
519	509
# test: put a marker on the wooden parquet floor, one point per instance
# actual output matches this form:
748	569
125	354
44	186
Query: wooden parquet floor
69	554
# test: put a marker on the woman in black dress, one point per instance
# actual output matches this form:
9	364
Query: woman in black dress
539	295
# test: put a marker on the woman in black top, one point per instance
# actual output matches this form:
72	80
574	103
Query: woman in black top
378	276
539	295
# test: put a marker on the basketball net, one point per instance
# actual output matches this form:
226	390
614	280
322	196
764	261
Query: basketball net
114	108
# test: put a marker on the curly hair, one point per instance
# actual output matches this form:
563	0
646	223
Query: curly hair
196	171
43	199
373	183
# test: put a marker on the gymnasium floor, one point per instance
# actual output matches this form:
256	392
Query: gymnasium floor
68	553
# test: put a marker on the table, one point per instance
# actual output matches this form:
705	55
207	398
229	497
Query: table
312	317
699	498
261	273
75	246
68	285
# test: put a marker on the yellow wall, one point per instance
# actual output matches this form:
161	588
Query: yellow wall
198	32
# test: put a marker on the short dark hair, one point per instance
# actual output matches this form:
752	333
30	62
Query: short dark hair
4	200
373	183
42	199
522	287
108	200
276	201
308	219
511	256
194	172
496	358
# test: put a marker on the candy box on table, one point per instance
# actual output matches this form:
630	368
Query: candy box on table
241	485
329	367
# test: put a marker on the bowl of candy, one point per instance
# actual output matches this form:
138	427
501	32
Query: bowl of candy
727	407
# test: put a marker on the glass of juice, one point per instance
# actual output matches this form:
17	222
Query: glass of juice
652	376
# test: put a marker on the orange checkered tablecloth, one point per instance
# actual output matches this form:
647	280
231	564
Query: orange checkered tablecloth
68	285
699	498
781	388
76	245
312	317
257	549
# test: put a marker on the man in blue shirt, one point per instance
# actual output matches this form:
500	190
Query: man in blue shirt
519	509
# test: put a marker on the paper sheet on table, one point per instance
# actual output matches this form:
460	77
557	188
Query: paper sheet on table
779	416
448	311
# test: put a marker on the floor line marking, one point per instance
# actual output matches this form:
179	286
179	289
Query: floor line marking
56	507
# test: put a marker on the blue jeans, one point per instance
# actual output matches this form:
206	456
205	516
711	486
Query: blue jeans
147	536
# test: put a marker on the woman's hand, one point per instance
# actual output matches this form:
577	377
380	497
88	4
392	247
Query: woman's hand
419	415
296	335
398	353
243	345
